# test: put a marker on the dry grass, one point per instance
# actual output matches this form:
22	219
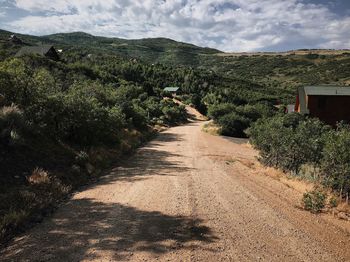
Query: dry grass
7	110
39	176
247	163
211	128
341	211
298	184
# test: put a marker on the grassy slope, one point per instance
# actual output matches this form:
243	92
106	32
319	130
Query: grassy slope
277	72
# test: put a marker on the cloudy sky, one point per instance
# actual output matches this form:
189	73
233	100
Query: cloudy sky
229	25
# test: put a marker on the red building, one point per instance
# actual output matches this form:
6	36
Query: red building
330	104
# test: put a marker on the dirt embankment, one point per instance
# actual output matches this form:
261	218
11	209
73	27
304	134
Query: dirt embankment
186	196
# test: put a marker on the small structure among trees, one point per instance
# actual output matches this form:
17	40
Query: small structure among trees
43	50
330	104
14	39
172	90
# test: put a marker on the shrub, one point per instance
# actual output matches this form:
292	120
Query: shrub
233	125
12	125
39	176
314	201
173	113
82	158
256	111
311	132
153	108
288	141
335	166
234	120
16	82
219	110
333	202
81	120
12	219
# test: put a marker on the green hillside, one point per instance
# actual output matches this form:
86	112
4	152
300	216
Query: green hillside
275	71
152	50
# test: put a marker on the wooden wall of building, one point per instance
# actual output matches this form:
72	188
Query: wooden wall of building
330	109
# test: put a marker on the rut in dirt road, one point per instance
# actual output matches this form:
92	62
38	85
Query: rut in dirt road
186	196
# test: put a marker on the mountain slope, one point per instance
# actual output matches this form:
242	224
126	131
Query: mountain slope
150	50
278	72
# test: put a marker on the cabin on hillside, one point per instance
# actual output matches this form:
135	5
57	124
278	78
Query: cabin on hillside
172	90
43	50
330	104
15	40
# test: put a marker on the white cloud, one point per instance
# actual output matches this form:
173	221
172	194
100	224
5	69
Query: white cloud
230	25
44	5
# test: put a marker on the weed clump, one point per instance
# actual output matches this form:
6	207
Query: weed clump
314	201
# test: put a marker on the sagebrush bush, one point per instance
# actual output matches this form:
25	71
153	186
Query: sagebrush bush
233	124
333	202
314	201
12	125
289	141
235	119
335	165
218	110
172	112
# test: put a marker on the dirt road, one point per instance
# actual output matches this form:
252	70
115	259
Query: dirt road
186	196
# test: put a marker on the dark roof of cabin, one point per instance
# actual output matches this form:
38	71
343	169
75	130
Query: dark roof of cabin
40	50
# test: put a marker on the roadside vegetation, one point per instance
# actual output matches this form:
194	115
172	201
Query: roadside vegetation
309	149
63	122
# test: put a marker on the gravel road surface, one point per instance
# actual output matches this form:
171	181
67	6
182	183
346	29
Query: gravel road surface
185	196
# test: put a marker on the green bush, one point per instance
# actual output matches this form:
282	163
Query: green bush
219	110
335	166
255	111
233	124
172	112
77	119
314	201
153	108
12	125
234	120
288	141
333	202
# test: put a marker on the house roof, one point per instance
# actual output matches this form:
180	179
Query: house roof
320	90
171	89
40	50
327	90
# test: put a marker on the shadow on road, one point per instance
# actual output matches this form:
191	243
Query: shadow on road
149	160
86	228
95	226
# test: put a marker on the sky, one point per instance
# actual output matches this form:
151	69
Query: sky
228	25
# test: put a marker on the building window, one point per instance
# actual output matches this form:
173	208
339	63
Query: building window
322	102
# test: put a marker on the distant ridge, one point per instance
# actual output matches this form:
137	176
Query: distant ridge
290	52
158	43
150	50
